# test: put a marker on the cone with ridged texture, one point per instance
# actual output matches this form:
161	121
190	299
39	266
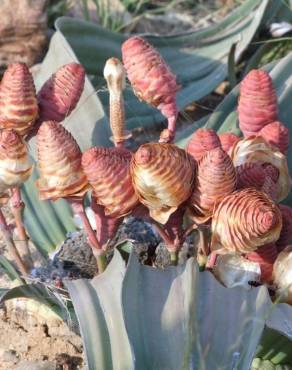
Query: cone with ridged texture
282	275
244	221
202	140
108	172
227	140
163	177
62	176
286	232
265	256
276	134
257	104
59	163
255	150
151	79
61	92
216	178
18	103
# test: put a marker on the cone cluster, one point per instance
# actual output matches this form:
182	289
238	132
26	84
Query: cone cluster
229	183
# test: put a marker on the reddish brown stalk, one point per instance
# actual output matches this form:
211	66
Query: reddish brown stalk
169	243
17	207
7	235
78	208
106	226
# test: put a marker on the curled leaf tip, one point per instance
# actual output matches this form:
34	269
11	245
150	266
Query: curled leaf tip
163	177
256	150
201	142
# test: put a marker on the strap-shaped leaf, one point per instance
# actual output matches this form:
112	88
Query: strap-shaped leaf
98	308
180	318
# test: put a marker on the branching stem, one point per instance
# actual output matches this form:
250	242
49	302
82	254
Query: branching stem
78	209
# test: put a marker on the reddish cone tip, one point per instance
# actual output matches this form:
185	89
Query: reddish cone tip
143	155
201	142
276	134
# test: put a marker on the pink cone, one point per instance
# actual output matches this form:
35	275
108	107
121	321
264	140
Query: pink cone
257	104
228	139
61	92
151	79
276	134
